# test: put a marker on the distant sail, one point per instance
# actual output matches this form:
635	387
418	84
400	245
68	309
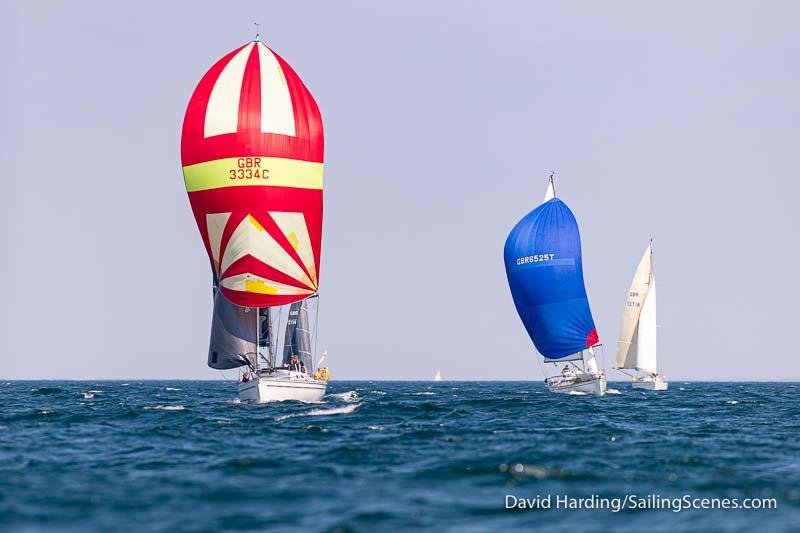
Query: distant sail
252	153
233	335
438	376
636	349
298	336
545	274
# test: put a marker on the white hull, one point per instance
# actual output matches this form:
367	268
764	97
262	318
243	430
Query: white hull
281	386
595	385
650	385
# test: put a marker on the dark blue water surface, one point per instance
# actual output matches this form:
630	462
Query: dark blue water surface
184	456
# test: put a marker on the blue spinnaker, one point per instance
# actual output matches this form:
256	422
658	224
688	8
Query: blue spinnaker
545	274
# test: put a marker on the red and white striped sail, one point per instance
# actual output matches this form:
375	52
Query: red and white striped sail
252	154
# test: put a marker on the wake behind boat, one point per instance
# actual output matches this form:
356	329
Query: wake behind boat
637	347
545	274
252	153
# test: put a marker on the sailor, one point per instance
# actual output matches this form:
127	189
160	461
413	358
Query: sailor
565	371
295	364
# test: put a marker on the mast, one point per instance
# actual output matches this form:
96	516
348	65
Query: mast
257	362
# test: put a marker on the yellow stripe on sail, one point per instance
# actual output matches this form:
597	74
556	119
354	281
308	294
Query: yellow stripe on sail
258	286
244	171
255	223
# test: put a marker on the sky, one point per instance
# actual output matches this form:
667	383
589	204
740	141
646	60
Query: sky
676	120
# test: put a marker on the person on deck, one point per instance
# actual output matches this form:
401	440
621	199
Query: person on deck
295	364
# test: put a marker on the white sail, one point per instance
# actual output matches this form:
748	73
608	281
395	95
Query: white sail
551	191
646	342
590	361
438	376
629	345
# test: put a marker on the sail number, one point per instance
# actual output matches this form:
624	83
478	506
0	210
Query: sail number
535	258
248	168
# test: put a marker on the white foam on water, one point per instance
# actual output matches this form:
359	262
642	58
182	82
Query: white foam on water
612	391
95	391
422	393
732	402
125	384
378	392
166	407
350	396
88	395
681	388
347	409
171	388
376	428
3	427
576	393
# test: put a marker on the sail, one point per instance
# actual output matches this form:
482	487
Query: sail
252	154
550	193
545	274
233	335
628	356
298	336
646	344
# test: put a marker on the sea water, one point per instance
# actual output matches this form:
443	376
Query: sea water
180	455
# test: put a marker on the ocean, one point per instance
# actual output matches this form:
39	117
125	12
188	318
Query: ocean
376	455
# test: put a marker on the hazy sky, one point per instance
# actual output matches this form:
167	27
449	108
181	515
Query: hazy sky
678	120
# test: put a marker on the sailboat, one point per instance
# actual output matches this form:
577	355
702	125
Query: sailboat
637	350
545	274
252	149
438	376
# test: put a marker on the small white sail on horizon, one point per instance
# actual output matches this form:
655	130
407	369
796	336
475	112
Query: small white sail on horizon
438	376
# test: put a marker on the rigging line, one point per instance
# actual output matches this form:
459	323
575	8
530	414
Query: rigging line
314	340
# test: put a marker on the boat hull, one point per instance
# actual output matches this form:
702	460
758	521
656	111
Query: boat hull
650	385
595	386
295	386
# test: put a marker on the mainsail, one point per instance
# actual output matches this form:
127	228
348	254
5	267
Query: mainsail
233	335
636	349
252	153
545	274
298	336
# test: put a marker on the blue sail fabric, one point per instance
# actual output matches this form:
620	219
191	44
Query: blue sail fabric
545	275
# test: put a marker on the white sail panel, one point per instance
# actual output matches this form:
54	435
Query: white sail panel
250	238
590	361
627	346
646	342
222	113
293	226
550	193
277	112
215	223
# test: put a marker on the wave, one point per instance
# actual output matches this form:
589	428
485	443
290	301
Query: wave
350	396
612	391
88	395
47	390
732	402
421	393
171	388
577	393
165	407
344	410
